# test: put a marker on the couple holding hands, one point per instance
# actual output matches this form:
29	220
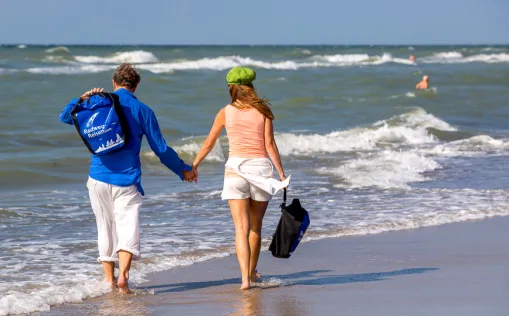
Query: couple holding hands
114	182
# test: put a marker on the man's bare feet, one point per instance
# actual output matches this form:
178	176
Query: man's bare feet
123	285
112	283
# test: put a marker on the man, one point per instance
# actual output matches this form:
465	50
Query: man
114	182
424	84
412	58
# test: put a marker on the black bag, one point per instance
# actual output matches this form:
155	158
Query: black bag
291	228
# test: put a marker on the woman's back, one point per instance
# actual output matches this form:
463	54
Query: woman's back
246	132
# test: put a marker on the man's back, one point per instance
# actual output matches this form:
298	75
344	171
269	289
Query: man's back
123	167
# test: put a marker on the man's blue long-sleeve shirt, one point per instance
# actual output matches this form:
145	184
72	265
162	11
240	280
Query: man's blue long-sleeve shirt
123	167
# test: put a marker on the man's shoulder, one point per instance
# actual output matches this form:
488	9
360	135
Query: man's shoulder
134	103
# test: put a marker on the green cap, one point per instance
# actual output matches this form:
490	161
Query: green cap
240	75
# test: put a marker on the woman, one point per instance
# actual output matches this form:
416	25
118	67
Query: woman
248	123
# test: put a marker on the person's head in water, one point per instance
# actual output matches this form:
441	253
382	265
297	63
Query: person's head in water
243	94
424	84
126	76
412	57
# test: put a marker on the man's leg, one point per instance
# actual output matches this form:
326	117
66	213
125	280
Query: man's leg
124	258
102	205
127	209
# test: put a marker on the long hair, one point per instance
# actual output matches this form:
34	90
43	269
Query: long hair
244	97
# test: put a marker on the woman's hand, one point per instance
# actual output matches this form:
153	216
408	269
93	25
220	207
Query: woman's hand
195	171
90	93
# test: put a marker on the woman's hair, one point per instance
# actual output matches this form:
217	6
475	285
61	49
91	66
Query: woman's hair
244	96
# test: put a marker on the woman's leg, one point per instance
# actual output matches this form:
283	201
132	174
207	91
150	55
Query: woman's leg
240	215
256	213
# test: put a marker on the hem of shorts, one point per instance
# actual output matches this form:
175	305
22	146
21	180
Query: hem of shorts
235	198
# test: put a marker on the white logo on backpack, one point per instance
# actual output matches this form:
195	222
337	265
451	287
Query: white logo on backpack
91	119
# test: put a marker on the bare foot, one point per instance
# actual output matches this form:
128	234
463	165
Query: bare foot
123	285
112	283
245	285
255	277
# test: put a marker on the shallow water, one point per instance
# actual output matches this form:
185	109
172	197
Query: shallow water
367	153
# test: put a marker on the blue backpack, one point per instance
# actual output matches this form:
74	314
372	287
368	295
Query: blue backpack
102	125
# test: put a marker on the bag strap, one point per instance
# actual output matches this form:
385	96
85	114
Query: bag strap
283	205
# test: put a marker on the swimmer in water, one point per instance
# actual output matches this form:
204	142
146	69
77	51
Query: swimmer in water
424	84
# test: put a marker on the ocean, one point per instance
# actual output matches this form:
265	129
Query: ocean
367	153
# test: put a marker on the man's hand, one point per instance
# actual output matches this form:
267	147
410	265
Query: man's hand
90	93
189	176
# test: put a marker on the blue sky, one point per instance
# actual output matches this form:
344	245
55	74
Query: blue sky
254	22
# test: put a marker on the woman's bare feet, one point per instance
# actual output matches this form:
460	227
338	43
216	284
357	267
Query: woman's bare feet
255	277
246	285
123	285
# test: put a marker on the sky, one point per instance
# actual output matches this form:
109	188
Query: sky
254	22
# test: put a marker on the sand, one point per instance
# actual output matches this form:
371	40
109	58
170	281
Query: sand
454	269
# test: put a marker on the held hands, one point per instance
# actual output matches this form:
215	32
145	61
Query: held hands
91	92
190	176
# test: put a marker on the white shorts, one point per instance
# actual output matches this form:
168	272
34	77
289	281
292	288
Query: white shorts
117	211
237	188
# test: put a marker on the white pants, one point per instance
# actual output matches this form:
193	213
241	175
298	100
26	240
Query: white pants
117	211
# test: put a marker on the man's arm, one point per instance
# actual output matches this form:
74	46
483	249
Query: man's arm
166	154
65	116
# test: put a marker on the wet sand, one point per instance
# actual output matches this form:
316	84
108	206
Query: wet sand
454	269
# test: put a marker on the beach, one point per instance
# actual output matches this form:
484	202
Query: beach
453	269
369	157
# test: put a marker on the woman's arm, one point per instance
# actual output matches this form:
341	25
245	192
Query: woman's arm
271	147
209	143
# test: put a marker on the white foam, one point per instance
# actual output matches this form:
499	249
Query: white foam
70	70
357	59
341	58
134	57
405	129
480	145
387	170
41	299
58	49
412	222
456	57
57	59
218	63
192	149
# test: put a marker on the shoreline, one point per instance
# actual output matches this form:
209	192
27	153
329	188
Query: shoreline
447	269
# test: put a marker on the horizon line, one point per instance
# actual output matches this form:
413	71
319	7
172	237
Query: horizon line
250	45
